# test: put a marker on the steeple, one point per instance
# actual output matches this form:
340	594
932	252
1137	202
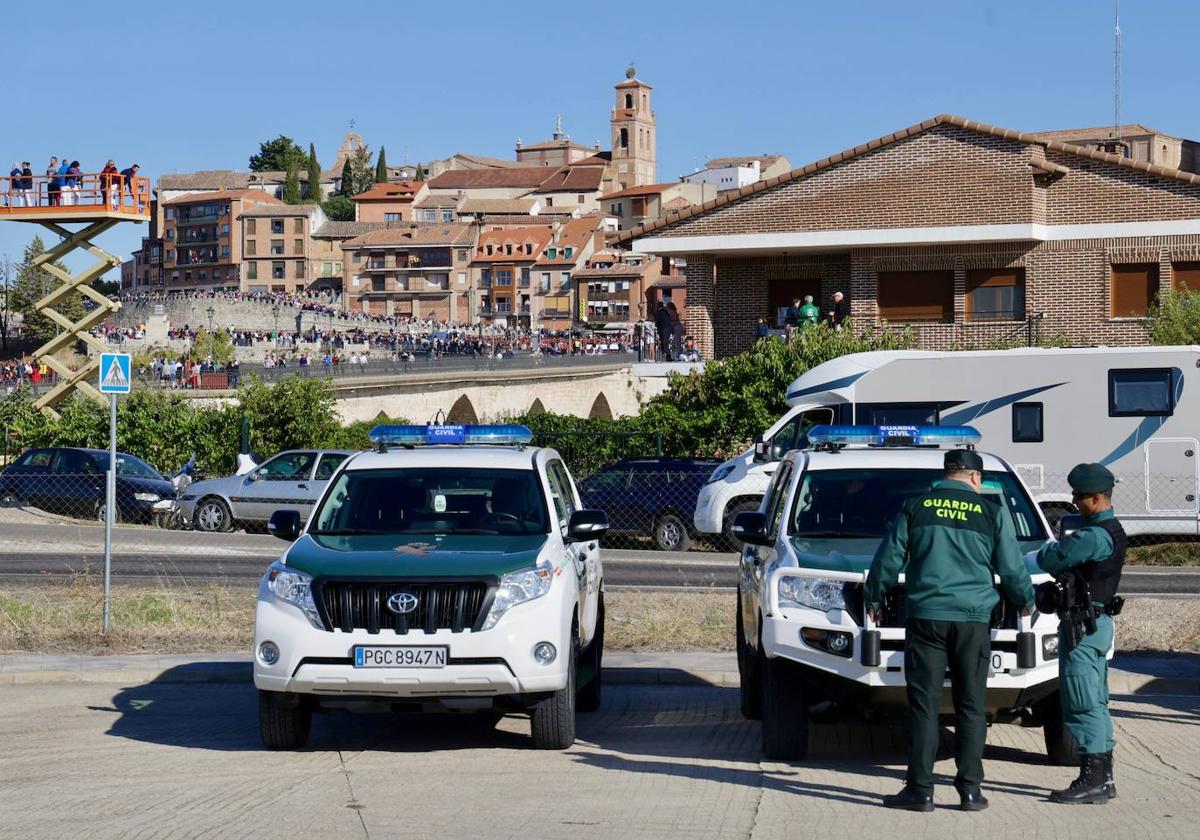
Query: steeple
633	132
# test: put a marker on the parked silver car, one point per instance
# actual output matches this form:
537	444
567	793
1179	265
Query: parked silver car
292	479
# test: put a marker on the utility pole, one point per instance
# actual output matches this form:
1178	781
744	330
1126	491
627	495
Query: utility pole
1117	71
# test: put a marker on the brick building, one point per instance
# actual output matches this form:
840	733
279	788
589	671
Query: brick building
967	232
202	238
278	250
621	287
410	271
390	202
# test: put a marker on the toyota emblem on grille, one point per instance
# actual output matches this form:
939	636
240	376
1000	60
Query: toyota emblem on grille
402	603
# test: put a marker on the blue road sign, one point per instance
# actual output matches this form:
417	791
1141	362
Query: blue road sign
114	373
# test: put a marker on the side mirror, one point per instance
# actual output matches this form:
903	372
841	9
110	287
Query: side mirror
285	524
587	525
252	475
762	451
1069	524
750	526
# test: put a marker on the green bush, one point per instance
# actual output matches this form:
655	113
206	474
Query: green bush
1175	318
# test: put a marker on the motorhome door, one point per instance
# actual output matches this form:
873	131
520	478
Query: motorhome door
1172	480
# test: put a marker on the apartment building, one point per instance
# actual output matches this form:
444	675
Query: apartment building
412	271
278	249
967	233
638	205
390	203
554	301
502	273
732	173
623	287
202	238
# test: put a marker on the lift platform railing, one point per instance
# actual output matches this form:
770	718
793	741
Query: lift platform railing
42	196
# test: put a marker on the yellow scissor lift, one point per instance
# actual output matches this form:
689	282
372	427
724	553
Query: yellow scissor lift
99	201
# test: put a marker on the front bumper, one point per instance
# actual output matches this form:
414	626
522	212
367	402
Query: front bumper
490	663
710	509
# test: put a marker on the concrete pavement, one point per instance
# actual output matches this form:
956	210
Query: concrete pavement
170	760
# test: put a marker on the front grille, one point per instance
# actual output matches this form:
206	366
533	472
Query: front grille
441	605
893	611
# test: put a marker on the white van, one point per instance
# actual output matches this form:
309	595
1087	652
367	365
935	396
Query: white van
1043	410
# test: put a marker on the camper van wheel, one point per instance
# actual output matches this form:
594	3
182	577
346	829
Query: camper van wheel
732	543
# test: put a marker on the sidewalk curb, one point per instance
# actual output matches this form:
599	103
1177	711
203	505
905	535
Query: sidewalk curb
1121	683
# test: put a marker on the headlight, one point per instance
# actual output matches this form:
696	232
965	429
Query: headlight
517	588
817	593
147	497
721	473
295	588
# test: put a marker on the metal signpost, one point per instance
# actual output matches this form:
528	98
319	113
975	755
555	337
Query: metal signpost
114	379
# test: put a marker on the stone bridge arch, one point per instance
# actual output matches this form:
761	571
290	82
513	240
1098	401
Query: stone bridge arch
462	412
600	408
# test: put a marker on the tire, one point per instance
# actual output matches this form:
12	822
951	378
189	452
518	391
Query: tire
212	515
1061	747
749	672
282	727
101	510
732	543
552	721
671	533
784	712
588	698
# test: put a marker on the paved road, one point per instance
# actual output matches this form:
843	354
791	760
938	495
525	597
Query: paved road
35	550
159	760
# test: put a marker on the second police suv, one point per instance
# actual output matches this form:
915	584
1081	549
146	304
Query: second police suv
452	567
805	642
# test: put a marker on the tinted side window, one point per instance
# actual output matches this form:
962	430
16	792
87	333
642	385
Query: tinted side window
1140	392
328	466
294	466
72	462
775	498
560	492
1027	423
36	458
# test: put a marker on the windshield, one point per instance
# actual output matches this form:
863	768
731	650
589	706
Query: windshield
127	465
434	501
863	503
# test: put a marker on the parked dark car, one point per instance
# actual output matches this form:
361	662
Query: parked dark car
649	497
70	481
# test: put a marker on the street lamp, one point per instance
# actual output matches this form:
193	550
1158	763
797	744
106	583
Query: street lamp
275	312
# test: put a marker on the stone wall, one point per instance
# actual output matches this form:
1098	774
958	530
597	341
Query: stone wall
245	315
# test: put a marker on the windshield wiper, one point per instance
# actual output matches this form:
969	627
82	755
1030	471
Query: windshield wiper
348	532
817	535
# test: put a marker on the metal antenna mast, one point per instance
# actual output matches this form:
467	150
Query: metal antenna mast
1116	132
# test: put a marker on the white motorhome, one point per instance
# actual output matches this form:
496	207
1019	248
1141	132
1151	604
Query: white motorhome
1043	410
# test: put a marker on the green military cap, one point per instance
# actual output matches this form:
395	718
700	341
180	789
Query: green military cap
963	459
1091	478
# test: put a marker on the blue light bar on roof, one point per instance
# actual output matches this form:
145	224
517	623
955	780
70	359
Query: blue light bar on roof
893	435
503	435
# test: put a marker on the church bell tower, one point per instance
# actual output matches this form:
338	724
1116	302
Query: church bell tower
633	139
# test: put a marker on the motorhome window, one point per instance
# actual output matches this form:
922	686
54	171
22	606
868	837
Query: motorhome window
794	435
1140	392
1134	288
1027	422
900	414
848	503
995	294
915	296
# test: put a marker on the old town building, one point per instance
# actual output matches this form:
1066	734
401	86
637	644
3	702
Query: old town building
278	253
968	233
202	238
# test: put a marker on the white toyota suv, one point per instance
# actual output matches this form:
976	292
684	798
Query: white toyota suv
804	641
452	567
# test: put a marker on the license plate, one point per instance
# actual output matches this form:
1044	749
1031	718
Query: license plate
1001	662
376	656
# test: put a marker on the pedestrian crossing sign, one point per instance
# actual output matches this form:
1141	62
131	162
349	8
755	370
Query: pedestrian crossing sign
114	373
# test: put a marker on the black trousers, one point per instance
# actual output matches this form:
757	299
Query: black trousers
931	647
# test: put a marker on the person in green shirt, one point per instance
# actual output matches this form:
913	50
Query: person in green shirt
809	314
1095	554
949	542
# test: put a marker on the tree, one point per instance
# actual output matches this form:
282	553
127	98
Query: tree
338	208
33	283
314	176
8	282
276	155
291	183
381	174
107	287
421	174
1175	318
357	174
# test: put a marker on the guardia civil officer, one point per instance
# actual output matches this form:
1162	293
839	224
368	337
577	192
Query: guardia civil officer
948	542
1094	555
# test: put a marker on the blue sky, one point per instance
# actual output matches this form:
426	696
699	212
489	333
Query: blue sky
185	86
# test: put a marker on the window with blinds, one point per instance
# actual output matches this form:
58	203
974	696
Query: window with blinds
996	294
1186	276
916	296
1134	287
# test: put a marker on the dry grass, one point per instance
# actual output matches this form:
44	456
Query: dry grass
1165	554
174	618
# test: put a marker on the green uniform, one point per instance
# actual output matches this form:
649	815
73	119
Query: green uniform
1083	668
949	542
809	315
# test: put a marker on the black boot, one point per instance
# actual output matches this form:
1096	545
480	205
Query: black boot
971	799
909	800
1089	788
1109	784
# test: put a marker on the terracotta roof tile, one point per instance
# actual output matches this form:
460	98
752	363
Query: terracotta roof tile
221	195
534	236
461	179
645	189
573	178
391	192
346	230
452	234
765	160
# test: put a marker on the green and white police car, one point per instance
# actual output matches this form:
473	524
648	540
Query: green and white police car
451	568
805	644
